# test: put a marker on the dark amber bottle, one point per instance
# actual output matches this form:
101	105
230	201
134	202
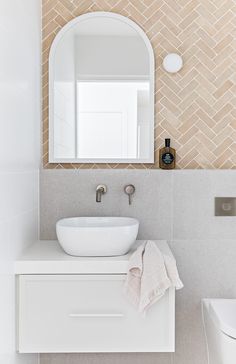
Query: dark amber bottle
167	156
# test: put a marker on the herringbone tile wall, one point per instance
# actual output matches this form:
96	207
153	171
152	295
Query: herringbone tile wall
197	106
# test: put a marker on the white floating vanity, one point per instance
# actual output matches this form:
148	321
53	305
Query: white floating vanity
71	304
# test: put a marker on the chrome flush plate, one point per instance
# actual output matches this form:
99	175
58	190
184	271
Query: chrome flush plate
225	206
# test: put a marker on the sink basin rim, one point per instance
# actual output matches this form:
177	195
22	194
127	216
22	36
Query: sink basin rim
96	222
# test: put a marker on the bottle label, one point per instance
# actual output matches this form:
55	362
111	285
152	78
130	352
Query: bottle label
167	158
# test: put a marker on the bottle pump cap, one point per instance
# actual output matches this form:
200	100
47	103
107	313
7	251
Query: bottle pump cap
167	143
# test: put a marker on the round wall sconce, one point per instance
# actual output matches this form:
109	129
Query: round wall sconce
172	63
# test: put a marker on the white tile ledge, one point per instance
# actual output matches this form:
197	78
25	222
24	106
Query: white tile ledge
47	257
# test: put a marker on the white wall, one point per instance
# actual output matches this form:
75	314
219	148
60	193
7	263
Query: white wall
19	153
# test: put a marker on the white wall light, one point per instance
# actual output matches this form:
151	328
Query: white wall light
172	63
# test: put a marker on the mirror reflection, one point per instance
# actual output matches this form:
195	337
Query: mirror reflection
101	92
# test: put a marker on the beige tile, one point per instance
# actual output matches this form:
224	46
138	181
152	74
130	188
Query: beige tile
63	10
188	7
228	96
228	51
205	118
205	12
48	17
205	155
188	135
192	120
206	48
223	43
188	19
209	40
190	156
223	134
168	93
225	144
205	141
226	18
223	77
170	105
219	162
208	132
228	164
204	105
60	20
221	113
189	145
190	99
168	11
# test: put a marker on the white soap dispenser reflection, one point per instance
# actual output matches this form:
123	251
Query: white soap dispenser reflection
129	190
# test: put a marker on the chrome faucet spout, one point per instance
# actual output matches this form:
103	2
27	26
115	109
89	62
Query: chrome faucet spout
99	195
100	190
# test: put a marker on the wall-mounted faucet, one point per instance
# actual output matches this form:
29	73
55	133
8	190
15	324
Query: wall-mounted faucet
100	190
129	190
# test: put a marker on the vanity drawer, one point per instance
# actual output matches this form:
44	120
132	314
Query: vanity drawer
88	313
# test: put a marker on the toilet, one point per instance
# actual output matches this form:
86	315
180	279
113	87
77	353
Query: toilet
219	318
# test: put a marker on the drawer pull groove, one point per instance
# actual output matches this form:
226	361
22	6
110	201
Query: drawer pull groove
96	315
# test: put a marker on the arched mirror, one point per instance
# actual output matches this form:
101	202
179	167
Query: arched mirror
101	92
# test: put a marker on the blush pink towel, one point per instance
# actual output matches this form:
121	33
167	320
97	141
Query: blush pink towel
150	273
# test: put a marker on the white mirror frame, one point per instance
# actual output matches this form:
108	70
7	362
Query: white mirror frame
56	40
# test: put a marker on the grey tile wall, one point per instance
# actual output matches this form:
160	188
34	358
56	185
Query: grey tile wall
72	193
193	204
173	205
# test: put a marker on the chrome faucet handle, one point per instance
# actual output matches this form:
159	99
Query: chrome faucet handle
100	190
129	190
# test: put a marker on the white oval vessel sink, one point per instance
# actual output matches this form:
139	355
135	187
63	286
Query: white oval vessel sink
97	236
